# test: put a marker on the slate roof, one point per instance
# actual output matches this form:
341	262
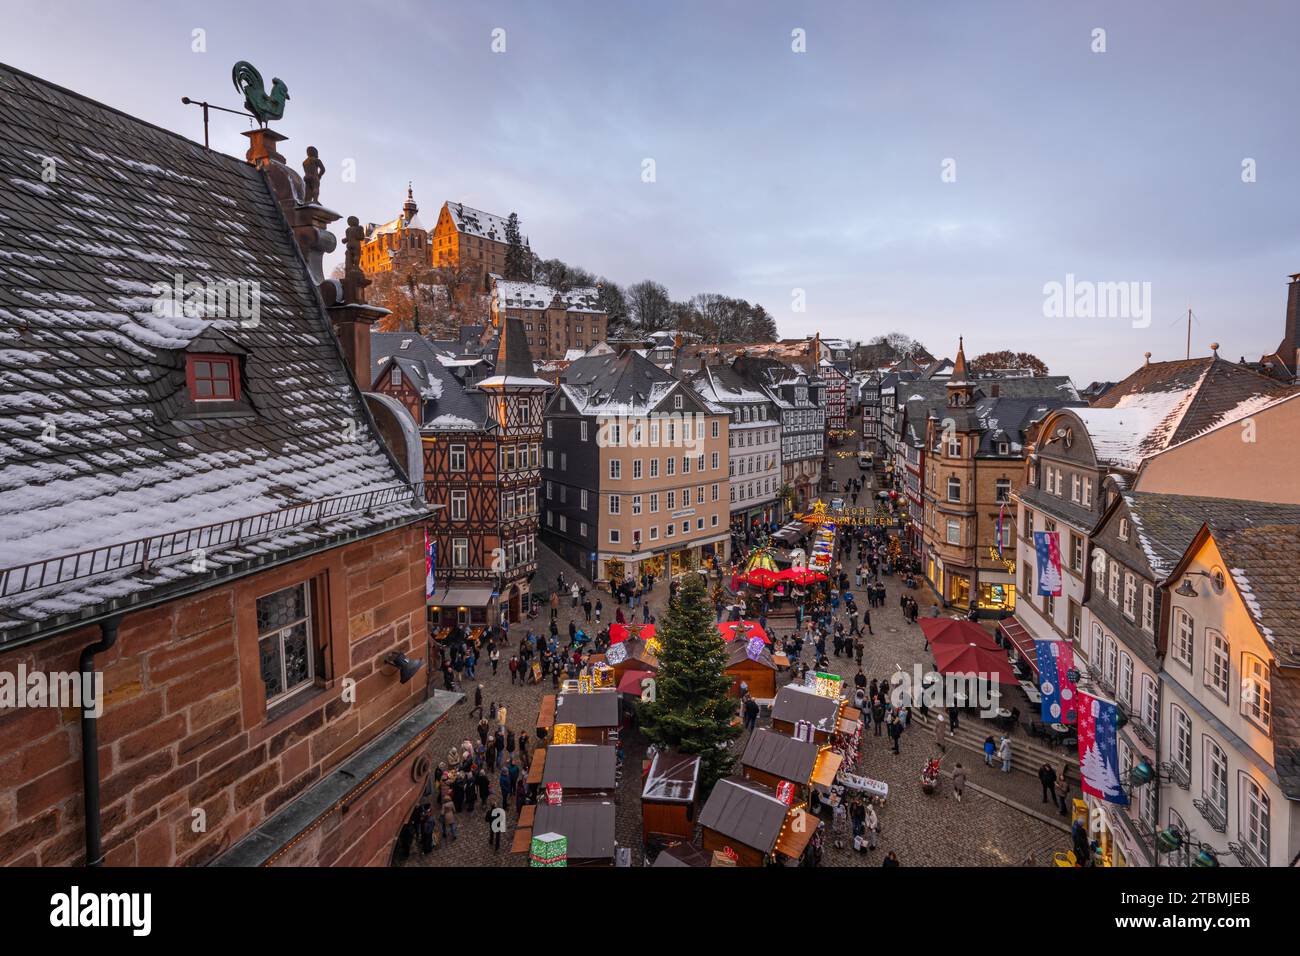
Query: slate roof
1188	397
627	384
448	405
580	766
476	222
738	652
509	294
745	811
1165	525
89	348
780	755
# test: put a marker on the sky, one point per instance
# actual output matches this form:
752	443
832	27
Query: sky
928	167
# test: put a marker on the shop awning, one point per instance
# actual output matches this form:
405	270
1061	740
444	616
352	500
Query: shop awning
828	765
799	827
1021	640
460	597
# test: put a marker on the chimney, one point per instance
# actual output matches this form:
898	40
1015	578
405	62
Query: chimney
1289	350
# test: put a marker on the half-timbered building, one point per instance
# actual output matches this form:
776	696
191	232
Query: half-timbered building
482	459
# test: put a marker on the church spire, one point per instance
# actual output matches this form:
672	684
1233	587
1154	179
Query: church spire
960	390
409	208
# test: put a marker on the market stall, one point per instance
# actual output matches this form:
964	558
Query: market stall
669	796
751	662
751	825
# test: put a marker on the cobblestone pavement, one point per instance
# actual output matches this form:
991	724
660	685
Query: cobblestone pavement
922	830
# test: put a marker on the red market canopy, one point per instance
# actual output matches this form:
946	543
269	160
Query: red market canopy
731	630
801	576
956	658
760	577
947	630
618	633
631	682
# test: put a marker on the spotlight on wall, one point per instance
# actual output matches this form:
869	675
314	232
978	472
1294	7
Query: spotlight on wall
406	667
1186	589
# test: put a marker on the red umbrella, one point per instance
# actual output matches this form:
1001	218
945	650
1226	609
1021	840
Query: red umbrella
760	577
618	633
731	630
955	658
801	576
948	630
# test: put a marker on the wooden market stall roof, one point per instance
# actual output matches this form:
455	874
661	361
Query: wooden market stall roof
546	714
781	756
745	811
587	824
577	766
828	765
793	705
794	837
597	709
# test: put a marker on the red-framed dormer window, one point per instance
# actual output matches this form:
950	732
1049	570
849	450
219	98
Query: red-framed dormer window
213	378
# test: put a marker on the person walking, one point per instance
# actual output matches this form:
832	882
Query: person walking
1047	777
952	721
938	733
895	733
478	702
751	712
877	715
1004	751
871	826
448	819
1063	790
990	748
958	782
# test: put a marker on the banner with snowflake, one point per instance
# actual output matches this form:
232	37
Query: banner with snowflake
1047	548
1060	696
1098	749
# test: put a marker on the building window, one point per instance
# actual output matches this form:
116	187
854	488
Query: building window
654	503
1214	783
1256	691
284	641
456	457
1076	552
714	522
460	552
636	504
1150	702
1109	668
1216	662
1130	594
459	505
1184	631
615	469
1125	688
715	431
1253	825
1113	587
1004	489
1182	749
615	504
550	432
1123	529
615	536
654	532
395	376
213	378
636	468
1148	608
954	531
954	488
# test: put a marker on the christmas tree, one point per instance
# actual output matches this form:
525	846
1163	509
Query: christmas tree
692	711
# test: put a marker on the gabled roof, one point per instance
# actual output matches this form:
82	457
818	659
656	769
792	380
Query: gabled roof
745	811
510	294
476	222
598	709
781	756
627	384
448	405
581	766
93	352
587	824
1165	525
1170	402
794	704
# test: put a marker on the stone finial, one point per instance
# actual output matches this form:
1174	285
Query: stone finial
312	171
1147	356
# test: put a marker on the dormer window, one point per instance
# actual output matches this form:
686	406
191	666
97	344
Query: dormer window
395	376
212	378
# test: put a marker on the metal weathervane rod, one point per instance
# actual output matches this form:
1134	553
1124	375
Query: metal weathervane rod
212	106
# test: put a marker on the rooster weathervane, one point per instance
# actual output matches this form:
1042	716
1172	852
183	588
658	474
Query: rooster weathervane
263	105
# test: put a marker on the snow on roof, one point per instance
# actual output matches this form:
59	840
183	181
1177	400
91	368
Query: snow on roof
509	294
102	369
476	222
1139	425
450	422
